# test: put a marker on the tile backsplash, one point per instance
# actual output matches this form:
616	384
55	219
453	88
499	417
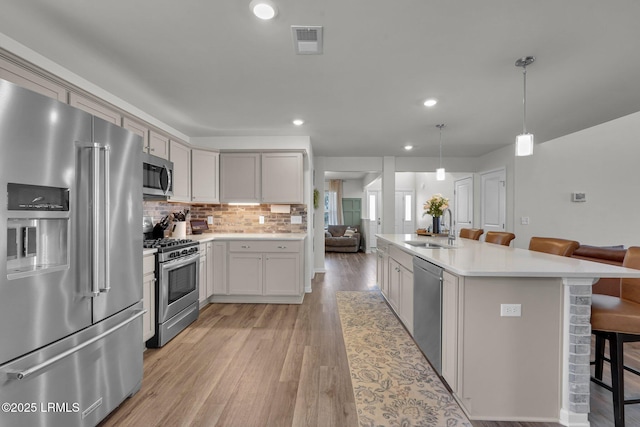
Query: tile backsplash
233	218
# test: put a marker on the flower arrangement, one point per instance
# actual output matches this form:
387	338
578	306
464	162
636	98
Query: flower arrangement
436	205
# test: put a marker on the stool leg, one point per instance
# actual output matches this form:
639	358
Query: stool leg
599	356
617	378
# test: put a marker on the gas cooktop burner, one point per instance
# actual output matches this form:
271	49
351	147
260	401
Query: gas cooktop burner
167	243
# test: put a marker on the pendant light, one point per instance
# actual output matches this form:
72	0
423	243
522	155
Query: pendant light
524	141
440	170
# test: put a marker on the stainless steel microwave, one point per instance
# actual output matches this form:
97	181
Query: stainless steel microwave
157	177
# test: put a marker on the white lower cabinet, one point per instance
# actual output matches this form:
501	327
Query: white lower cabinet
406	298
202	275
450	330
245	274
148	296
401	292
218	263
394	284
382	268
281	274
206	272
262	271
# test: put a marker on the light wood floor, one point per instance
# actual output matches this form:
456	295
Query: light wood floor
263	365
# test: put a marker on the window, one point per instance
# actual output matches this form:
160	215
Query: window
372	207
330	208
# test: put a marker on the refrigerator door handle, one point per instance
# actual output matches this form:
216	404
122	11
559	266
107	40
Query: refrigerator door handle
99	223
20	375
107	226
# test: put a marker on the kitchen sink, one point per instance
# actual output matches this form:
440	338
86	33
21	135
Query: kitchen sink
428	245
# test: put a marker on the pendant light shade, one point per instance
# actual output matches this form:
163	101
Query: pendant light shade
440	170
524	141
524	144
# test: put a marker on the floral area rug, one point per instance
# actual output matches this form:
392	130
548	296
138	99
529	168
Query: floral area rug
393	384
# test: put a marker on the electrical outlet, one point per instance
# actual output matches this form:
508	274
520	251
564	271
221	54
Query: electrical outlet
261	219
524	220
510	310
296	219
210	220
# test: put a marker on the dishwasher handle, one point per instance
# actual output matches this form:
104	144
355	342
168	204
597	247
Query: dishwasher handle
429	267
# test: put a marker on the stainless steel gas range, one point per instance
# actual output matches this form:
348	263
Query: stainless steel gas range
177	262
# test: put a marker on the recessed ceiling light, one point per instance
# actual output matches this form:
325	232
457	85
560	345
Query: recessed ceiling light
430	102
408	147
263	9
298	122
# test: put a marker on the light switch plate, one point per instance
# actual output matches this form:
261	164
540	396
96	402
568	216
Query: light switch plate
578	197
261	219
524	220
210	220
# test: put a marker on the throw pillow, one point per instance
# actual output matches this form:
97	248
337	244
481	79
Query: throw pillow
349	233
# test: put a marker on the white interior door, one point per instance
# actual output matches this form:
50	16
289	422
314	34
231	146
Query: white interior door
405	212
494	204
463	204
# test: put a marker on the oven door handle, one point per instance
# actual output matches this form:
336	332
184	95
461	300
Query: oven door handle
180	261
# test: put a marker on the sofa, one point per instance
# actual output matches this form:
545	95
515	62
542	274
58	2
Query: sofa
335	239
613	255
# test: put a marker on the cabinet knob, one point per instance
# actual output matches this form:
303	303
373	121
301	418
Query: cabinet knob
152	149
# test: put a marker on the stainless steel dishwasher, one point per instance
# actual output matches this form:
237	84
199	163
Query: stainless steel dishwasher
427	310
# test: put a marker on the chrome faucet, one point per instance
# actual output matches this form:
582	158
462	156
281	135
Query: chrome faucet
452	232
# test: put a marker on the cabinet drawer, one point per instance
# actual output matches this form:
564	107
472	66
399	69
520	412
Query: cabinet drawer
403	258
264	246
148	264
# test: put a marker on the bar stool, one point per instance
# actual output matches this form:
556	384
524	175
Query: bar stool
471	233
617	320
499	237
553	246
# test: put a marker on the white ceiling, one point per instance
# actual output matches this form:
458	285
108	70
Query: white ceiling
210	68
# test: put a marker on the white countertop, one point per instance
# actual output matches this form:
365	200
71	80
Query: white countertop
149	251
475	258
206	237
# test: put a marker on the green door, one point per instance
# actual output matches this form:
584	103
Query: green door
352	212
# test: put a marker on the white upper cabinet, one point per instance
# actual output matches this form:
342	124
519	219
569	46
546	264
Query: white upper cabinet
240	177
32	81
95	108
180	155
274	177
282	178
158	145
204	176
139	129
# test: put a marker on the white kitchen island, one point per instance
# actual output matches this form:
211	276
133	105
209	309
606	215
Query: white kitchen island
534	367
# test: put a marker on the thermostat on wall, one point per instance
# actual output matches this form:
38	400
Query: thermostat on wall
578	197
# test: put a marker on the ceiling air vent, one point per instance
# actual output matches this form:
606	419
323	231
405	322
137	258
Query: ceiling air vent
307	40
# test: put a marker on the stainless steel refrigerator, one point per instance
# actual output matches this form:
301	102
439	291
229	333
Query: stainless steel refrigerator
70	263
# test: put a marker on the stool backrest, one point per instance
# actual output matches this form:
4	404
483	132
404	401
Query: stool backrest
630	288
471	233
499	237
553	246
